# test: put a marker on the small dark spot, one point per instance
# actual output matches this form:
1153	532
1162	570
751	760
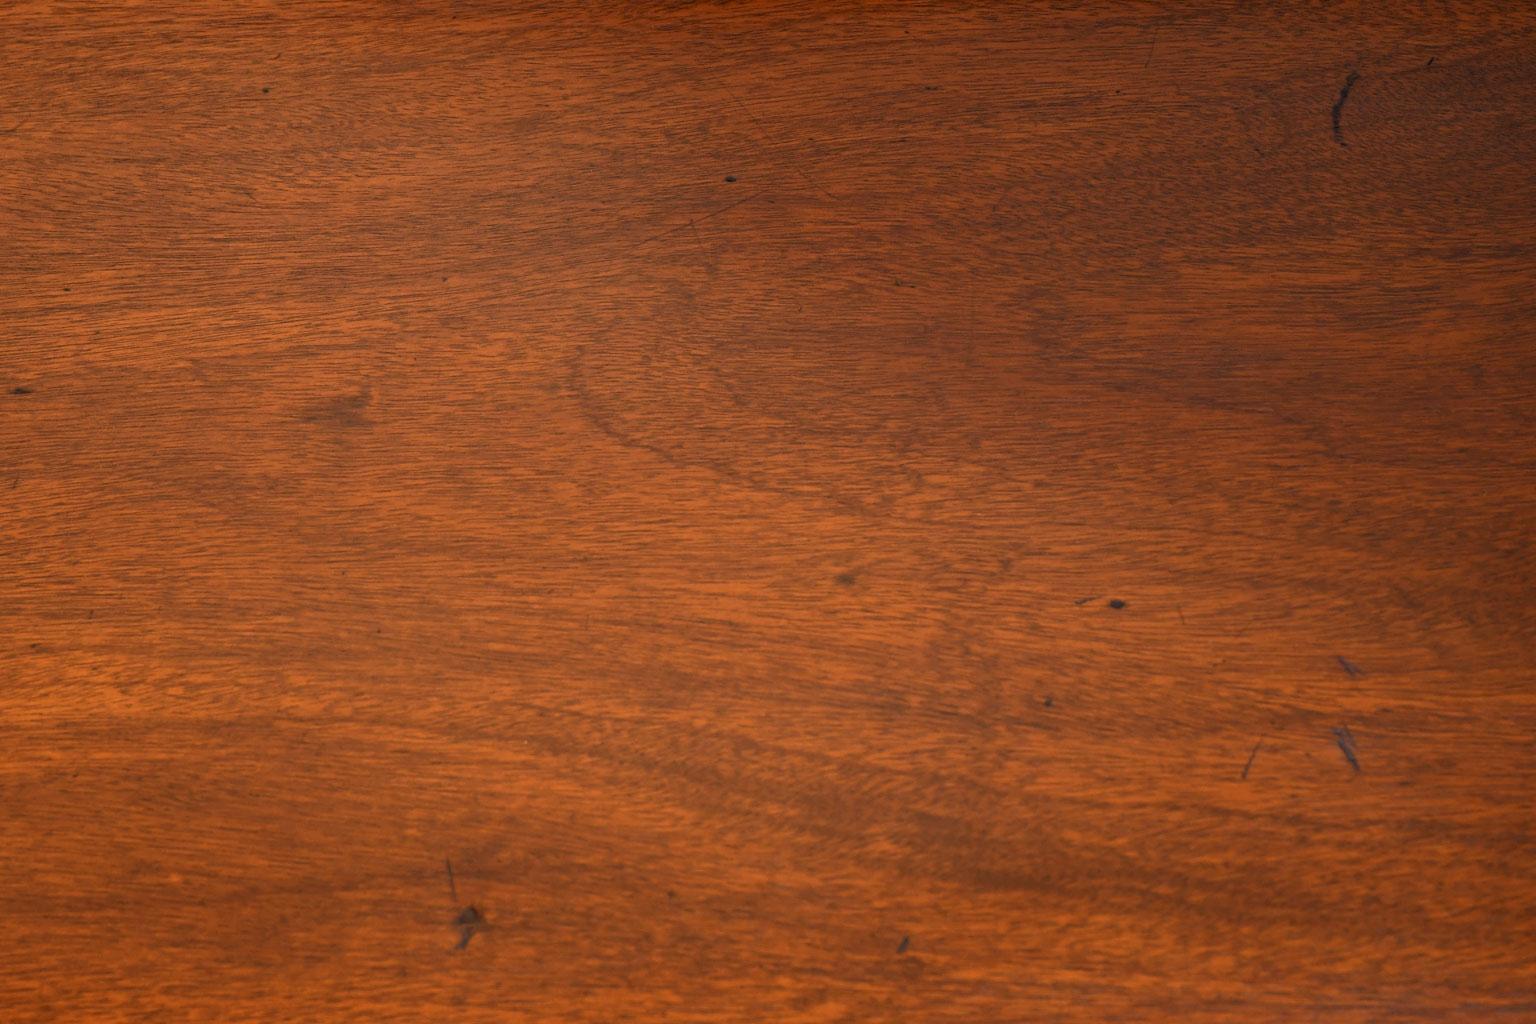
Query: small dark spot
731	178
469	921
340	410
906	940
1116	603
671	894
19	390
1049	702
846	579
930	88
67	288
266	89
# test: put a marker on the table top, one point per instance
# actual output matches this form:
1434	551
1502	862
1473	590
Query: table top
784	511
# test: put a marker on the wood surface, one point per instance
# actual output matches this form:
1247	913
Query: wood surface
789	512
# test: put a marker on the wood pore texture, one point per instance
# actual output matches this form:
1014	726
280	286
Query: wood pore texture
790	512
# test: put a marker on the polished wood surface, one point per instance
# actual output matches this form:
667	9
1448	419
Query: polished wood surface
767	512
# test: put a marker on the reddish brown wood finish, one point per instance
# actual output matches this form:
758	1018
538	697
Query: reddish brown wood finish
817	513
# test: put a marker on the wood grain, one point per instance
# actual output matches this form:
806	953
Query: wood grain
770	511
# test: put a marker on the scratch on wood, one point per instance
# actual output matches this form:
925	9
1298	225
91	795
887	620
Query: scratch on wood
1338	108
1346	743
698	241
1251	755
760	138
692	222
1349	667
452	887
